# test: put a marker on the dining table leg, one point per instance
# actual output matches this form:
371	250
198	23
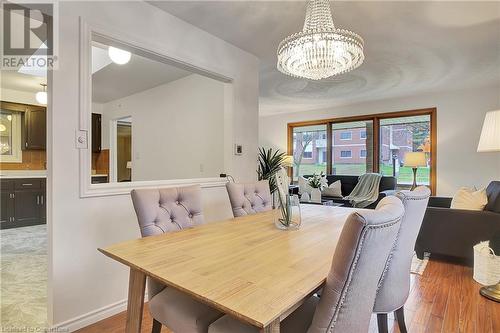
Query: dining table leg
135	304
273	327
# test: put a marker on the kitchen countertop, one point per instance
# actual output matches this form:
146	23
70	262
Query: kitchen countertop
6	174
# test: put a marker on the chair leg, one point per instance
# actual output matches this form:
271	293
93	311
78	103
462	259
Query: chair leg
156	326
400	317
382	323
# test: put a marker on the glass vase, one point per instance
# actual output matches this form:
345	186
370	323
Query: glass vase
288	216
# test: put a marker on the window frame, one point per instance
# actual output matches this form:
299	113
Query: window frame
346	151
361	137
361	151
376	117
347	132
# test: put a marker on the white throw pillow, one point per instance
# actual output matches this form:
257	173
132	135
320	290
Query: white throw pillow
333	190
304	186
470	199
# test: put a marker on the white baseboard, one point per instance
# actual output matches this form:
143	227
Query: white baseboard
90	317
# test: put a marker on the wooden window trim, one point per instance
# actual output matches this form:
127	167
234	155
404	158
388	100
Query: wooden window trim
432	112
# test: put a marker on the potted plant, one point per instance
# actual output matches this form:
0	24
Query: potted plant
318	183
269	163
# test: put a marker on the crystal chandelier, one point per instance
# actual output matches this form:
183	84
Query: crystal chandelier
320	50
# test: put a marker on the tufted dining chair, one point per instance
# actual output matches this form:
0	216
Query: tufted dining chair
249	198
395	284
165	210
346	303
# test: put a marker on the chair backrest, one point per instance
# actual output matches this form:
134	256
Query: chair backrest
163	210
249	198
395	284
167	209
361	254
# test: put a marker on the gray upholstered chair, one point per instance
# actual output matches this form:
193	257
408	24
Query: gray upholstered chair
249	198
165	210
346	302
395	284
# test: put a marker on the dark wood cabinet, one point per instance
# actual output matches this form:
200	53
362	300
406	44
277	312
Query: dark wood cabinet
23	202
96	132
34	129
6	202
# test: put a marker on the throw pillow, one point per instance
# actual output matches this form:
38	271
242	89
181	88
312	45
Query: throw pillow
304	186
333	190
470	199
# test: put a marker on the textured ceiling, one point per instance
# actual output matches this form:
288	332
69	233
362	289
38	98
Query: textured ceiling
410	47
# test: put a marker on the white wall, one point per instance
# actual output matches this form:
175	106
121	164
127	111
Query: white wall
177	129
84	284
18	96
460	116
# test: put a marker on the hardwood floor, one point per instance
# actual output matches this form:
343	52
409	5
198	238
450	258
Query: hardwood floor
445	299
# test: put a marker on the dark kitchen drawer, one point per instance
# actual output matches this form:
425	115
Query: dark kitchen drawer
28	183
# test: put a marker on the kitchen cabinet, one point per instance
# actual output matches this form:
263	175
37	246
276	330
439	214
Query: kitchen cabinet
23	202
34	129
96	132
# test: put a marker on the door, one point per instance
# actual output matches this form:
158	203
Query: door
35	127
5	206
27	206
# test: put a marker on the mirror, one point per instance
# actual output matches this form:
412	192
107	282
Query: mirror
152	118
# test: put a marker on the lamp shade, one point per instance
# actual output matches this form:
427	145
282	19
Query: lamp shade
287	161
415	159
490	134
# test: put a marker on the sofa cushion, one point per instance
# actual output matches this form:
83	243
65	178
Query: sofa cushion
493	193
469	199
333	190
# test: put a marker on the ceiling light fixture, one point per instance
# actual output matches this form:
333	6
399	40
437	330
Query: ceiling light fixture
41	96
119	56
320	50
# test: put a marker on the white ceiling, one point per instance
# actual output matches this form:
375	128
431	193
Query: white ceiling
112	81
23	82
410	47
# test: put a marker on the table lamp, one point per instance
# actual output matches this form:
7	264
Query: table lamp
287	161
415	160
490	142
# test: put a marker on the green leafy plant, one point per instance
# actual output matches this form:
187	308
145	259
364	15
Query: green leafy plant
317	181
269	163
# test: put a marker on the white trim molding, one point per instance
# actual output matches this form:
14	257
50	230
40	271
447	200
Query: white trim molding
126	41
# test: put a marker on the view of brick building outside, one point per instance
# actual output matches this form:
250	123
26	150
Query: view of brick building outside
349	145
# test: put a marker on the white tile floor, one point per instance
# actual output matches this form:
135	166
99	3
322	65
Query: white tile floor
23	278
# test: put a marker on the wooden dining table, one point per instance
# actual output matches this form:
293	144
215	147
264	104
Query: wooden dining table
244	267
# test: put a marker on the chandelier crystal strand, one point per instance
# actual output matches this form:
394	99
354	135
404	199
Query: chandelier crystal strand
320	50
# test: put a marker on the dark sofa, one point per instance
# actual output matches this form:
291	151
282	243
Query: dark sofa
387	187
451	233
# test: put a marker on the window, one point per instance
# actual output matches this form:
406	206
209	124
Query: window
345	135
372	143
309	149
10	136
345	154
398	136
352	164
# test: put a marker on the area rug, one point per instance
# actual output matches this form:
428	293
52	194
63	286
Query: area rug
23	279
418	265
